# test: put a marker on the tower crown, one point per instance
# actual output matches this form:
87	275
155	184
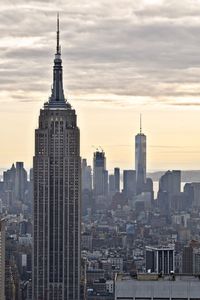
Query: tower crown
57	99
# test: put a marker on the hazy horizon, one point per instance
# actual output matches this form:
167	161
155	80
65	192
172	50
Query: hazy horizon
120	59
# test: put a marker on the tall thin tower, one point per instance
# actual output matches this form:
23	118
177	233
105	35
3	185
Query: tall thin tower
140	159
57	176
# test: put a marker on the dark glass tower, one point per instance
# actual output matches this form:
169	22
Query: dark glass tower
57	176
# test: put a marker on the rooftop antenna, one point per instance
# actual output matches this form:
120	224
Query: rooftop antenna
58	35
140	123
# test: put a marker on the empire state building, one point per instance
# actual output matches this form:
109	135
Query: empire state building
56	165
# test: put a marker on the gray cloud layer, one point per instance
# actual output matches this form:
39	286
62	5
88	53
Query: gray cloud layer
125	48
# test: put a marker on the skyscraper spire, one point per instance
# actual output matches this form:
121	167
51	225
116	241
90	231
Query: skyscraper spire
57	98
140	160
58	35
140	123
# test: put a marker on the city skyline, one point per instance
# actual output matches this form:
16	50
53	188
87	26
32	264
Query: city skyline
121	60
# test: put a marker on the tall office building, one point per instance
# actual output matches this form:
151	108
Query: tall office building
140	160
100	176
111	184
117	179
2	259
86	173
171	182
169	186
129	183
15	185
9	186
20	182
192	193
57	177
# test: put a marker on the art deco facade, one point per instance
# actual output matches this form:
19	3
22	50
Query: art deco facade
57	175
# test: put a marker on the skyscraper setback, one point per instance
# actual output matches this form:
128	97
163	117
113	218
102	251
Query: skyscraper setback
57	165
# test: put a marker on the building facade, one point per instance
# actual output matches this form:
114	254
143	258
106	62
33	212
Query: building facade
169	186
100	176
160	259
15	186
57	177
117	179
86	173
2	259
129	183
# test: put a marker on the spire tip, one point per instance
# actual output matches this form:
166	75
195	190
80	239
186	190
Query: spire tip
140	123
58	35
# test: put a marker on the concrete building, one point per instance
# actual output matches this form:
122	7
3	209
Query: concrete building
140	160
153	287
15	185
171	182
196	261
100	177
160	259
117	179
111	184
187	260
2	259
20	182
196	193
57	184
169	186
9	186
86	176
116	263
129	183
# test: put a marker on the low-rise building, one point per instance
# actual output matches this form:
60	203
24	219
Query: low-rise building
154	287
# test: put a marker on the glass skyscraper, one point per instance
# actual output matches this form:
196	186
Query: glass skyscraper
140	160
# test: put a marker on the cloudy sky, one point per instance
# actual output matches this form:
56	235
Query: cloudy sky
121	58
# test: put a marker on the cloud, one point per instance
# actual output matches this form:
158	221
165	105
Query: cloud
125	49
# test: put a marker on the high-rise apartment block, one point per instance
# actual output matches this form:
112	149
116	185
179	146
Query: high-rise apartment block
57	184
